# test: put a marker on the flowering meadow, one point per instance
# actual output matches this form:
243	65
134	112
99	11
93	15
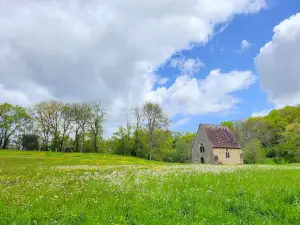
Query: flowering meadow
74	188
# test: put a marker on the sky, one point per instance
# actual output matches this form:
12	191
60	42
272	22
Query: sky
203	61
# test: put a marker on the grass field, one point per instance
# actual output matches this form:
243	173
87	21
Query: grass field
57	188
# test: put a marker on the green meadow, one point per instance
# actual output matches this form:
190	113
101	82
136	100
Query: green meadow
74	188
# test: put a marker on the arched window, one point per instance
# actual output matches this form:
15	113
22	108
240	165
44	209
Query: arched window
227	154
202	149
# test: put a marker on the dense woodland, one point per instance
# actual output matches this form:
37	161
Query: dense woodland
78	127
275	136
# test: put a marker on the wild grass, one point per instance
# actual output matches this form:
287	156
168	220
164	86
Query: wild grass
73	188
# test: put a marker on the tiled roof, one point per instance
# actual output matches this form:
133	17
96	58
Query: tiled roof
220	137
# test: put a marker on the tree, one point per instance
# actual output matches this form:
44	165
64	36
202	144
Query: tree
119	139
179	147
75	125
11	119
66	124
40	111
49	117
138	117
54	111
128	134
155	120
228	124
31	142
182	150
28	126
95	121
253	153
82	115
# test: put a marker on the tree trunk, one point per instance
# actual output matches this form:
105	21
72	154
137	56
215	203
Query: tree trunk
95	142
81	144
46	143
5	143
56	143
76	141
62	145
151	146
137	145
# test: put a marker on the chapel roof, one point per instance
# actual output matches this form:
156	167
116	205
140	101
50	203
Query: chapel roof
220	136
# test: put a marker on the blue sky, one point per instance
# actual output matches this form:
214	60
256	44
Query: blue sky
222	51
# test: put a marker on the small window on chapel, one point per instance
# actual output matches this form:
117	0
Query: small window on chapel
227	154
202	148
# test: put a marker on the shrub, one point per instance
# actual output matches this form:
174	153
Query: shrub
279	160
31	142
253	152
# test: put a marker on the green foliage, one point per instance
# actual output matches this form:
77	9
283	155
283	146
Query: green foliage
148	137
228	124
31	142
183	152
180	148
156	122
11	119
169	147
278	134
253	152
80	126
279	160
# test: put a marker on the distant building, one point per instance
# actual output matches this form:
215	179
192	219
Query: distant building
216	145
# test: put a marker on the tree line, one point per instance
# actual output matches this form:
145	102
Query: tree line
51	125
78	127
275	136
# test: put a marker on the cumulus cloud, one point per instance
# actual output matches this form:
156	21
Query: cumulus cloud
245	45
96	49
278	64
191	96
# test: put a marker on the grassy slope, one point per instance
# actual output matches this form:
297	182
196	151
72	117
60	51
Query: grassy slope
56	188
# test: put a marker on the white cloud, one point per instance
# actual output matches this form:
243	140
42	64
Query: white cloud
188	66
278	64
163	80
262	113
181	122
13	96
245	45
96	49
191	96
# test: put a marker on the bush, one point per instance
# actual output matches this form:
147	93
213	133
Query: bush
279	160
289	151
31	142
253	152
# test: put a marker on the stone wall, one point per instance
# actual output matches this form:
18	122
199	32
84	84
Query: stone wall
196	154
235	156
